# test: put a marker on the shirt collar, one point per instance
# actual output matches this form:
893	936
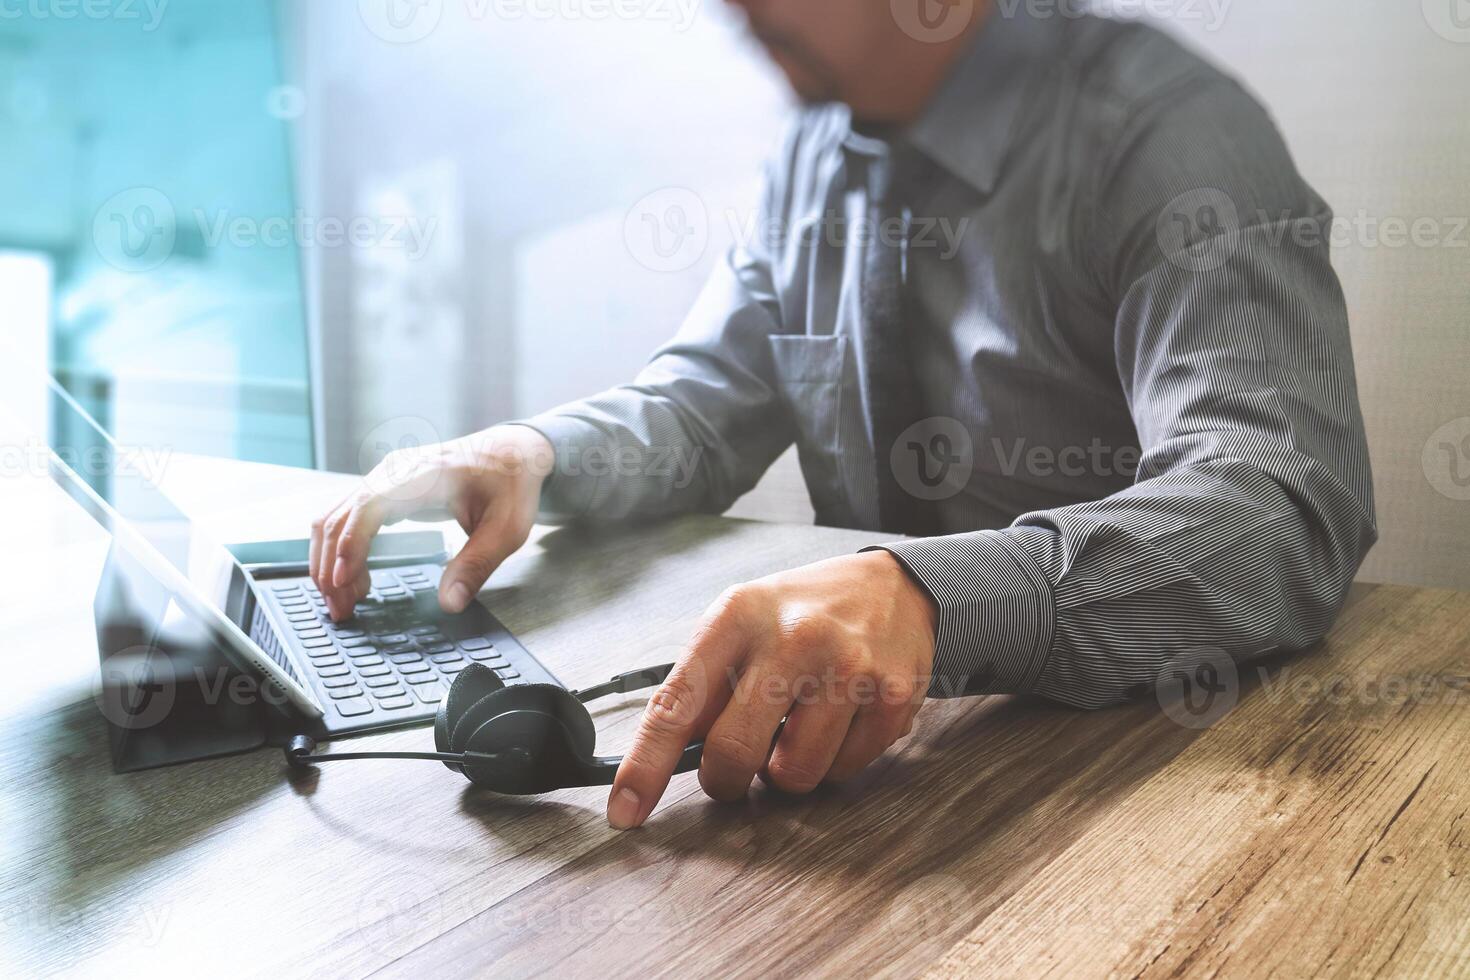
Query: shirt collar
968	126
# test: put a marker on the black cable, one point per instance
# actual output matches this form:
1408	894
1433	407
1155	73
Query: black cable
430	756
300	748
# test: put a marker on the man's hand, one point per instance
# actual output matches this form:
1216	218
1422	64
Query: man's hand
842	649
490	482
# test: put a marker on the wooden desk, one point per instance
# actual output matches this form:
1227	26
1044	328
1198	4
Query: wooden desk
1320	827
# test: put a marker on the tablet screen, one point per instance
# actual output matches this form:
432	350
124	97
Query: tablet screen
118	486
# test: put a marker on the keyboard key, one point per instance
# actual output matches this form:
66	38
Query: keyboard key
418	668
491	654
398	702
430	693
365	661
347	634
439	648
384	681
352	707
333	672
374	671
301	603
424	630
356	641
445	658
507	673
388	639
284	588
317	643
382	693
453	668
424	586
474	643
332	661
345	692
345	681
426	677
406	658
311	634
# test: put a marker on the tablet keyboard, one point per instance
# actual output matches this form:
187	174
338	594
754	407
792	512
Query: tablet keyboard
392	662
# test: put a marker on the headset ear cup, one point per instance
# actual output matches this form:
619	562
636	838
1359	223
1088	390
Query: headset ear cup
473	684
555	701
471	718
574	715
441	733
560	704
543	727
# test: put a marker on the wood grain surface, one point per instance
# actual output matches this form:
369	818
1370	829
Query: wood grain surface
1318	827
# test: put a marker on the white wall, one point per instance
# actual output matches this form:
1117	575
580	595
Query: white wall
537	128
26	284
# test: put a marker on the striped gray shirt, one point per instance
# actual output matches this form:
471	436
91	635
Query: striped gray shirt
1143	436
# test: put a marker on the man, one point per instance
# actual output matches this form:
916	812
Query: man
1111	399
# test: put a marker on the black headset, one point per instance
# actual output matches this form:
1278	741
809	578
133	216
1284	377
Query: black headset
517	739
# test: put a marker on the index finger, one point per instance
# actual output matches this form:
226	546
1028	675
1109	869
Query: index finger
684	706
354	544
314	546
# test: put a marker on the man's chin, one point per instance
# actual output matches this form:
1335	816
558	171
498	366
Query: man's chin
808	88
808	96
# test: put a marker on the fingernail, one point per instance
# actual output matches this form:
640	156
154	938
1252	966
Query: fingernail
459	597
339	573
622	810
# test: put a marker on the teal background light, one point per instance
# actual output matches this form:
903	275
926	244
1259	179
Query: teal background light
144	153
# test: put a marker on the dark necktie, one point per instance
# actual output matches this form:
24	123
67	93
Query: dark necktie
890	386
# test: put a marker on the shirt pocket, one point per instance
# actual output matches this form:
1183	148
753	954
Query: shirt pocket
811	374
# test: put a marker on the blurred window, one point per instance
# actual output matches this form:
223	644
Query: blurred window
144	157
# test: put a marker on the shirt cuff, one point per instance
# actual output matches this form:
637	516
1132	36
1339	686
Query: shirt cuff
570	491
997	613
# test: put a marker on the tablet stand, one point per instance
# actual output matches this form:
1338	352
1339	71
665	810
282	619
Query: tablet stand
166	685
